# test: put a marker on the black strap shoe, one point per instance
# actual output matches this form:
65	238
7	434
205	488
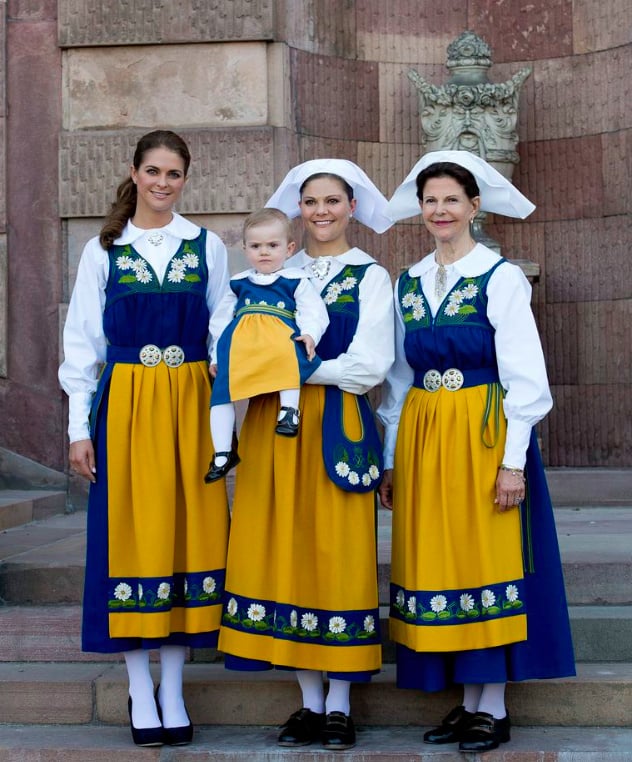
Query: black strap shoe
287	425
219	472
485	732
339	732
301	728
451	727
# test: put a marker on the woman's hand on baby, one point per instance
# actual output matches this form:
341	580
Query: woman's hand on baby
310	345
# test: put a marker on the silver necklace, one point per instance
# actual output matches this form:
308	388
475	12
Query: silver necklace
320	266
441	280
156	238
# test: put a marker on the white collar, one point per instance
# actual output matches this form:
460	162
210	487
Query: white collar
179	227
292	273
478	261
353	256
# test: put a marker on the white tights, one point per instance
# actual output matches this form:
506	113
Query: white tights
141	688
313	690
487	697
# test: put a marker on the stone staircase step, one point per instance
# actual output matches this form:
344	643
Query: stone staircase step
44	634
43	562
71	694
602	633
21	506
590	486
53	634
219	743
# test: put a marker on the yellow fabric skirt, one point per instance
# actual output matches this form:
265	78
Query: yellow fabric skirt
264	360
451	545
163	520
301	583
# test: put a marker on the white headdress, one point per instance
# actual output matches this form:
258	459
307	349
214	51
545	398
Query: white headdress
371	208
497	194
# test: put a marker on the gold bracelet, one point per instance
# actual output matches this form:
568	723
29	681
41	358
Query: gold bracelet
514	471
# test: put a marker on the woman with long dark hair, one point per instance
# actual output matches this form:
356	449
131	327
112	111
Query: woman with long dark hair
136	372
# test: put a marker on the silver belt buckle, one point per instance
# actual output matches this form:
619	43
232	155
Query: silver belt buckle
173	356
432	380
150	355
452	379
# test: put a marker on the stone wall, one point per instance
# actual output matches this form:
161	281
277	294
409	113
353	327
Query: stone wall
257	85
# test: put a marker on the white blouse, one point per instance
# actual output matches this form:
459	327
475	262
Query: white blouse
85	344
521	366
311	314
371	352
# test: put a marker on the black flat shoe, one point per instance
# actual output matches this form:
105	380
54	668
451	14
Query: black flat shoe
451	727
301	728
287	425
339	732
179	736
144	736
219	472
484	732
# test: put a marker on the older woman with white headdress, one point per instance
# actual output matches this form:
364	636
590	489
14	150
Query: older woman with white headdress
301	584
477	595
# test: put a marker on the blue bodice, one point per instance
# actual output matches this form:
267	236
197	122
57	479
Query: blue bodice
140	310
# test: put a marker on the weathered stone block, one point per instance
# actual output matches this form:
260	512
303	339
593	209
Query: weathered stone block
324	27
597	26
401	31
617	171
588	260
231	170
539	29
559	185
184	85
336	98
582	95
4	305
82	22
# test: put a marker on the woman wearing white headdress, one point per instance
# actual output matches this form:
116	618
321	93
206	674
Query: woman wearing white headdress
301	585
477	595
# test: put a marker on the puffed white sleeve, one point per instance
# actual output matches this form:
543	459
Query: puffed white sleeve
311	314
220	318
398	381
521	366
371	352
218	273
83	339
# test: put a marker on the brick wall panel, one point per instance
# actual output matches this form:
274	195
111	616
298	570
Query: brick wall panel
401	31
529	31
589	342
590	426
231	170
399	101
142	22
617	171
582	95
323	27
588	260
559	185
336	98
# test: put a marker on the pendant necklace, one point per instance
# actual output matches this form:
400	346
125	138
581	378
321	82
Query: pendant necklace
441	280
156	238
320	266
